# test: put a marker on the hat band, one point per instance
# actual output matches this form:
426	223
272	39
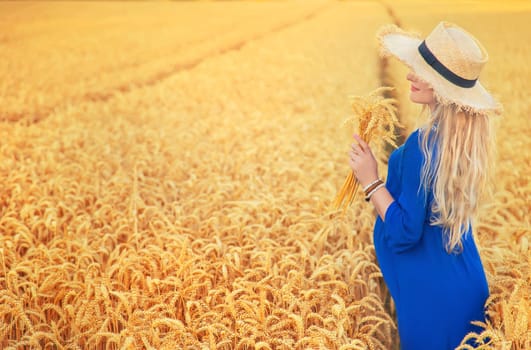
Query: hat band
430	59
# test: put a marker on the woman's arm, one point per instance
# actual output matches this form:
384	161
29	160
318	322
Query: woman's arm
404	216
382	199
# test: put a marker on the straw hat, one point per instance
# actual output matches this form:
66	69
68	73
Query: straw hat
449	60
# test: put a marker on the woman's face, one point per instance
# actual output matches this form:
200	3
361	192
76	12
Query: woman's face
420	92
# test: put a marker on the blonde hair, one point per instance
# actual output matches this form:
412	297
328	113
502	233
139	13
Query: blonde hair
459	148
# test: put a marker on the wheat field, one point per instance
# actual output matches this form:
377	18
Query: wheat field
167	171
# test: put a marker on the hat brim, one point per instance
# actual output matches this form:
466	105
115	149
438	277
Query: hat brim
404	46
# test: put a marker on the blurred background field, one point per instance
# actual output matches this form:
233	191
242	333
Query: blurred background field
167	171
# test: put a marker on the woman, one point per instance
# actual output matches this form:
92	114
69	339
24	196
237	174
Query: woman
423	232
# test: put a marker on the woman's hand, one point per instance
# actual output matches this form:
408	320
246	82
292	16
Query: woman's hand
362	162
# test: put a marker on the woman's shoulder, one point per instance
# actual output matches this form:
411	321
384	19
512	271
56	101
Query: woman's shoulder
418	148
414	135
413	140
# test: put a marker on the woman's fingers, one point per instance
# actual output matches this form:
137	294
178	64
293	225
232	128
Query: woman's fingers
362	144
353	161
356	148
362	161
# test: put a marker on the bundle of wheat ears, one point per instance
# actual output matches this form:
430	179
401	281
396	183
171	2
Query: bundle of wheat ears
375	117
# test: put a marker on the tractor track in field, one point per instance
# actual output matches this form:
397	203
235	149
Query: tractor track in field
386	79
103	96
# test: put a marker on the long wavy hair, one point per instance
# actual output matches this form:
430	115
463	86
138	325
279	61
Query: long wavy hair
459	148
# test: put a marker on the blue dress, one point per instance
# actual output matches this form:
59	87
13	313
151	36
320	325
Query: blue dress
436	294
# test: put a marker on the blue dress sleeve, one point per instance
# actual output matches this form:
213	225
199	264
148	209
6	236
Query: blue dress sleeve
404	218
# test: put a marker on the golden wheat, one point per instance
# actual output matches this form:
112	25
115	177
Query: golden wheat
167	186
375	117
